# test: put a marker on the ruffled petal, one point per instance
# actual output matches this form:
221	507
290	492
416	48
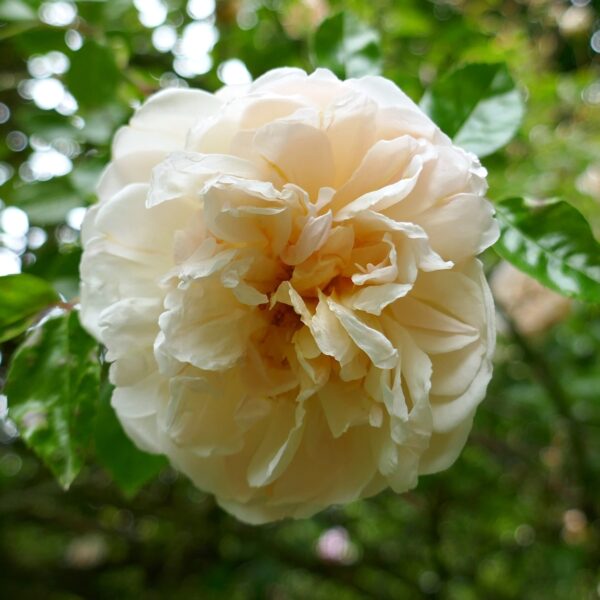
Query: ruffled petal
187	175
299	151
387	173
369	339
462	227
444	448
139	408
163	121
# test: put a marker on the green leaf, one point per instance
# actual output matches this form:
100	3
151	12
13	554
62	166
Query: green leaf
477	105
61	267
347	46
22	298
130	467
52	390
47	202
93	76
552	243
15	10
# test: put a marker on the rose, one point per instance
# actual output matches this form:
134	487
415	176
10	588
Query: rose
285	280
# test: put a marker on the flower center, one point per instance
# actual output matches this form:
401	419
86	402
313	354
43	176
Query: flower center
282	316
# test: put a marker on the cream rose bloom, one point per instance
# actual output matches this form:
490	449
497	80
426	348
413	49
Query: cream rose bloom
284	277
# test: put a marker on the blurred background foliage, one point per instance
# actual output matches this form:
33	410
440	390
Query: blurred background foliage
516	517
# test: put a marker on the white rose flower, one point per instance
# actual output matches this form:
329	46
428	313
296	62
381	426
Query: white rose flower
284	277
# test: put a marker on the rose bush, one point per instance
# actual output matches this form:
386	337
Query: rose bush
284	277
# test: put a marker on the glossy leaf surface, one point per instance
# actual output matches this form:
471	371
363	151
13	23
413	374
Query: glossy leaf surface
552	243
52	391
477	105
22	298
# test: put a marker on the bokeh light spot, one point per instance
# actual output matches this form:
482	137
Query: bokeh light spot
234	72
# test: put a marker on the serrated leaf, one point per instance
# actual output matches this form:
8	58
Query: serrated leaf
130	467
22	298
477	105
347	46
93	76
52	389
552	243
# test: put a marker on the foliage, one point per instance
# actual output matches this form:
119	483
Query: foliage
552	243
477	105
53	388
23	298
347	46
129	468
515	82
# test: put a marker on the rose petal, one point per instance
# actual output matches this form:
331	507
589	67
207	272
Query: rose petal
371	341
163	122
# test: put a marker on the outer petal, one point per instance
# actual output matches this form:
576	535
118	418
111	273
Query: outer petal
444	448
163	122
465	371
462	227
120	261
139	408
385	93
130	168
